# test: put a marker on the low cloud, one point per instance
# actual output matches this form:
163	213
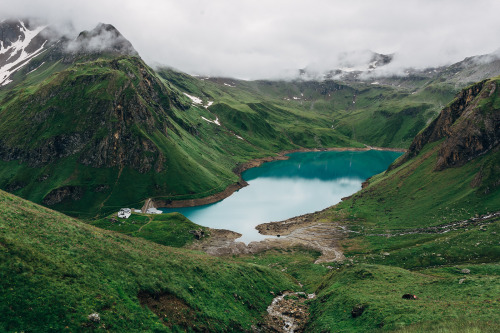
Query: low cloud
104	37
248	39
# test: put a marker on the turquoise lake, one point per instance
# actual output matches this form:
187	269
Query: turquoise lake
305	183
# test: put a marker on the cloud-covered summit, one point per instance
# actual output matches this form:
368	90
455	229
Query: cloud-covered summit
103	38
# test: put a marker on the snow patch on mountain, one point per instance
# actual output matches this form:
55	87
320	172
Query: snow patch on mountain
35	68
216	121
194	99
16	53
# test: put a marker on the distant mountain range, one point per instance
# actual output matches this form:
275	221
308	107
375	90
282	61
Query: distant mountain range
375	68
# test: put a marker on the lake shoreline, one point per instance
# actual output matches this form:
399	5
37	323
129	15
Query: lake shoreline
240	168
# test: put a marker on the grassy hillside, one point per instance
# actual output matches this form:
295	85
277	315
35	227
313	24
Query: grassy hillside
378	115
431	218
56	271
444	303
172	229
424	227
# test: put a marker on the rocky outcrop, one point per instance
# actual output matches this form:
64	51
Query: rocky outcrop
148	205
469	126
197	233
287	313
358	310
54	148
477	132
62	193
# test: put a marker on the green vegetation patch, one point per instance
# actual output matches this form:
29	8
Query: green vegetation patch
297	262
171	229
444	295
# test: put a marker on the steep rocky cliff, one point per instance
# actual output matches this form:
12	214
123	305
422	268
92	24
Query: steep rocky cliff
469	127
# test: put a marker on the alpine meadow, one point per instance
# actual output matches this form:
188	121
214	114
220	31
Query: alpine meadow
88	128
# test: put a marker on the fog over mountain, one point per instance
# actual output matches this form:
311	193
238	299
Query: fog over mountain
250	40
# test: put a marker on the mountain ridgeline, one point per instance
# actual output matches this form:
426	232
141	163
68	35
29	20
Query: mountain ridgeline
87	127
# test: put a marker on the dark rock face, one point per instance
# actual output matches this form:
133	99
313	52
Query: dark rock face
468	130
15	58
381	59
198	234
43	178
14	186
10	32
476	134
62	193
101	188
54	148
58	147
116	150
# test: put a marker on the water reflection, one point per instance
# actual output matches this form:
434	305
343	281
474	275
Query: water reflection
305	183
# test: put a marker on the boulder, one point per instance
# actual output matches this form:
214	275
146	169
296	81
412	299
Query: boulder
358	310
198	234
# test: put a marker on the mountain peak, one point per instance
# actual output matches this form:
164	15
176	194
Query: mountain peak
104	38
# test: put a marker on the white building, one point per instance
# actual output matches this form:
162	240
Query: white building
124	213
153	210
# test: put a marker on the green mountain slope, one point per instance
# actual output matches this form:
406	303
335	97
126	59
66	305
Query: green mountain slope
83	134
55	271
106	133
378	115
435	212
452	167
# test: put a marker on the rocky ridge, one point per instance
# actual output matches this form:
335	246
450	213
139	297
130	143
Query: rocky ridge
469	126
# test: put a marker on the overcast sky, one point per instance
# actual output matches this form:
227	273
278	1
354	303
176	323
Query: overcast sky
269	38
